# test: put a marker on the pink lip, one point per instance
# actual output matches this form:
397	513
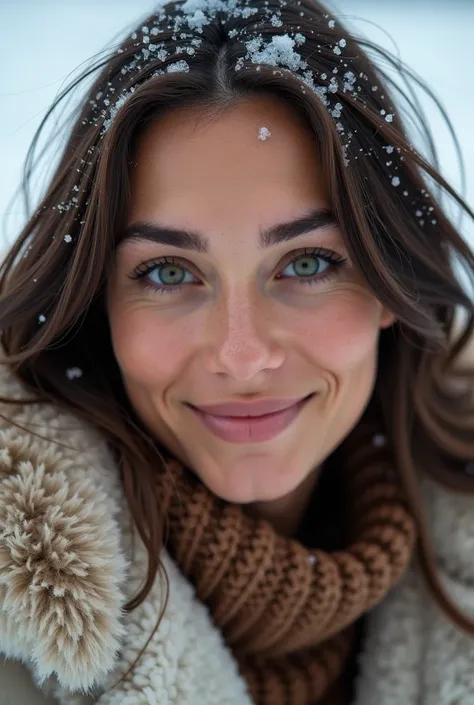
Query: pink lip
257	408
250	429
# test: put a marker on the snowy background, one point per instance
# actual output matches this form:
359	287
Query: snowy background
44	42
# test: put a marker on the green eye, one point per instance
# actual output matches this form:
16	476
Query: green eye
167	275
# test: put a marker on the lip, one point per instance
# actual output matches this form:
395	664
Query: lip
251	429
251	409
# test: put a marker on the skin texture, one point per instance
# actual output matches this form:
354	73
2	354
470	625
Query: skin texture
235	331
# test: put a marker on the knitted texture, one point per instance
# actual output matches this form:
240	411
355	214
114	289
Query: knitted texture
286	610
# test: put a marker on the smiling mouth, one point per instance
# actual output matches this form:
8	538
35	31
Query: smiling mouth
251	429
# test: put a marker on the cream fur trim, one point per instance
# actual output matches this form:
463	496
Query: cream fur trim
61	567
67	567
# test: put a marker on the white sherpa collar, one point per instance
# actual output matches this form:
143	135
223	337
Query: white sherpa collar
66	571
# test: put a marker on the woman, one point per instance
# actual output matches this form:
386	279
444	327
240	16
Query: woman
237	390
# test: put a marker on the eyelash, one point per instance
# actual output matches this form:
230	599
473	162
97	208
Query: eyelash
145	268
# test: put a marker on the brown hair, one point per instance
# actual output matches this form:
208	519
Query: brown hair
52	310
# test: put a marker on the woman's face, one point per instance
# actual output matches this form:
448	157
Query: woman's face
235	318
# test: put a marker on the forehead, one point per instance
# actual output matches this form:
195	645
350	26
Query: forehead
218	166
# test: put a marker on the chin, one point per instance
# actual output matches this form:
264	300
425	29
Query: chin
247	488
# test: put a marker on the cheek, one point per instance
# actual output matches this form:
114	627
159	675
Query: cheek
344	333
148	350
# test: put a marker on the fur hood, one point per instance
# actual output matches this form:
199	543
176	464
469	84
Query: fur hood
68	564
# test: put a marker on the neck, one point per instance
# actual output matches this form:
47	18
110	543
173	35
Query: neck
285	513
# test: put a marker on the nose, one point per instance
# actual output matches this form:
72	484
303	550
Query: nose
241	339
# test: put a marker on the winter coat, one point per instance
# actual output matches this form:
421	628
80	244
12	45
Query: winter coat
68	565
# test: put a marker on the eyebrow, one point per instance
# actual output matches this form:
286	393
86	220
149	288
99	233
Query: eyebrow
314	219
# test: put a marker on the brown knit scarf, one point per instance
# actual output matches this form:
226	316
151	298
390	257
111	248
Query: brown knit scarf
285	610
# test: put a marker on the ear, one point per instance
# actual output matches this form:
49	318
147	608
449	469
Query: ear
387	318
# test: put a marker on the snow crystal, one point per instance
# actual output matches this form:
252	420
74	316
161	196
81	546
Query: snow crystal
320	91
276	21
178	66
342	43
345	159
198	13
198	20
389	148
67	238
336	50
395	181
375	88
74	372
65	205
264	133
331	24
418	213
279	52
389	118
349	81
336	111
116	107
379	440
41	318
248	11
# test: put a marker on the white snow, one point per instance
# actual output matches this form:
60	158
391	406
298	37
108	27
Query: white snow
264	133
74	372
34	79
